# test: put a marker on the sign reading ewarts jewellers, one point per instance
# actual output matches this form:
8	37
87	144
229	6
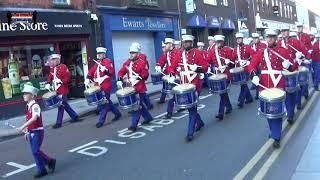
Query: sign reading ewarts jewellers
46	23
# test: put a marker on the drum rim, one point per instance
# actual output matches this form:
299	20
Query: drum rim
282	98
177	91
225	76
93	92
231	70
294	73
129	94
55	94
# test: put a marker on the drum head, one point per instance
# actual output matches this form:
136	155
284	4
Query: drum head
288	73
184	87
125	91
272	94
49	94
218	77
236	70
92	89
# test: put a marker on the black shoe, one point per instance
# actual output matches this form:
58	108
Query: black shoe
169	115
201	125
248	102
220	117
40	174
161	102
306	97
189	138
150	107
269	136
77	119
116	118
99	125
180	110
276	144
52	165
97	112
133	129
240	106
146	122
228	111
290	121
299	107
257	97
56	126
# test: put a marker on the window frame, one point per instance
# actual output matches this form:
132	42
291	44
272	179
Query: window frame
68	2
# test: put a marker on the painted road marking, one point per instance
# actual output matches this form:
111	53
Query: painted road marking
83	146
115	142
257	157
266	166
20	169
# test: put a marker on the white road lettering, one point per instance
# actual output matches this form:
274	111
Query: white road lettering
20	169
132	135
204	97
98	151
150	127
115	142
162	121
83	146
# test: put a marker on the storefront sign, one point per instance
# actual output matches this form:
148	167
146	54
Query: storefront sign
147	2
48	23
189	6
141	23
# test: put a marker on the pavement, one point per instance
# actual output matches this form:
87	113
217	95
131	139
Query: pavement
49	116
221	150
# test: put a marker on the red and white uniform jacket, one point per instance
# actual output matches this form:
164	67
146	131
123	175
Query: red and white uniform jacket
271	66
143	57
305	39
101	78
218	56
258	47
242	53
315	55
292	44
211	47
33	110
166	59
193	56
134	68
62	73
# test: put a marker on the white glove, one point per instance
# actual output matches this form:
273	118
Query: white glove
119	83
103	68
201	76
286	64
158	69
255	80
298	55
227	61
47	86
222	69
193	67
171	79
299	61
178	69
243	63
86	82
58	81
307	61
310	51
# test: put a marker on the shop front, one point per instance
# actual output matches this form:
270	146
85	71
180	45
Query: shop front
25	47
149	28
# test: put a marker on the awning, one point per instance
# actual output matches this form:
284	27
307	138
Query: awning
197	21
214	23
228	24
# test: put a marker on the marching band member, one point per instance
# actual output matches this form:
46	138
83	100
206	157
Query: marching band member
190	63
35	132
315	56
280	37
162	59
303	37
271	66
241	56
101	73
312	39
137	71
211	42
143	57
204	77
220	58
177	45
60	77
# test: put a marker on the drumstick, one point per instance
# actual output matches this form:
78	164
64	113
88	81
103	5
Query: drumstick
134	73
191	65
263	86
14	127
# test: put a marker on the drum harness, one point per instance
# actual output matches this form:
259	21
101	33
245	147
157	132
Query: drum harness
221	68
242	62
100	79
186	70
55	79
270	71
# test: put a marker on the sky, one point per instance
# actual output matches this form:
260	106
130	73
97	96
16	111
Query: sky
313	5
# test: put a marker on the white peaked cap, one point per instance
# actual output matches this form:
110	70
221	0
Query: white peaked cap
283	28
187	37
239	35
200	44
134	49
255	35
280	36
136	44
219	37
30	89
293	34
210	38
299	24
270	32
101	50
168	40
163	44
177	42
55	56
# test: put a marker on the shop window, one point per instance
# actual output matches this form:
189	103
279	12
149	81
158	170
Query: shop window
210	2
225	3
61	2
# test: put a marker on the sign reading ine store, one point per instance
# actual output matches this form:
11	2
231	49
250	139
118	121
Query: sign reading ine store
140	23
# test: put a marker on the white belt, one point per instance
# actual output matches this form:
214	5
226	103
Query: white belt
269	72
37	129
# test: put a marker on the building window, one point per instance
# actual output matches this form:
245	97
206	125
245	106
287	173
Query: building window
210	2
64	2
225	2
258	4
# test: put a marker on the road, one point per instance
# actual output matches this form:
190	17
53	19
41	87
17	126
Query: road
221	150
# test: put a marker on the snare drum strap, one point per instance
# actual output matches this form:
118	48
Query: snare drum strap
168	58
221	68
270	71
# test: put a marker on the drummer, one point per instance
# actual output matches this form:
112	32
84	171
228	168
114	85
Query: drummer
60	77
190	63
143	56
137	71
242	55
211	42
220	58
271	67
315	56
164	62
101	74
203	77
177	45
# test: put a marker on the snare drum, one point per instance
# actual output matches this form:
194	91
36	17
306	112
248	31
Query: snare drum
52	100
94	96
127	98
156	78
303	76
218	83
185	95
238	75
291	80
167	87
272	103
